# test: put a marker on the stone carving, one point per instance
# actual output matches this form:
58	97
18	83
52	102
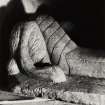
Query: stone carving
44	43
40	42
87	62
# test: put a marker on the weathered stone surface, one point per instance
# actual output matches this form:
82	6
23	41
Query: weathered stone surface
36	45
51	30
58	48
5	96
57	41
13	67
14	99
31	50
54	39
78	89
43	103
40	19
46	23
63	61
39	42
87	62
58	44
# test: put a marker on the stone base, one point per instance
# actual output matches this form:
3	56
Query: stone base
41	103
78	89
7	98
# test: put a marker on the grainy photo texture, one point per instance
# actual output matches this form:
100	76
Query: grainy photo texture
52	52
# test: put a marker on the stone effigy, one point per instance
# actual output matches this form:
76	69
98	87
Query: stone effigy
42	48
43	42
40	42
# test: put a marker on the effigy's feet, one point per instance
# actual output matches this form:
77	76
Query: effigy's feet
38	42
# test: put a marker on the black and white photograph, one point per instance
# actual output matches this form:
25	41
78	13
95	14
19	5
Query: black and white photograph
52	52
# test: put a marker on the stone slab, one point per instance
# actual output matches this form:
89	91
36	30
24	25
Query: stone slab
77	89
39	102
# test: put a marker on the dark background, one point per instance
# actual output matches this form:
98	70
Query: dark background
83	20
